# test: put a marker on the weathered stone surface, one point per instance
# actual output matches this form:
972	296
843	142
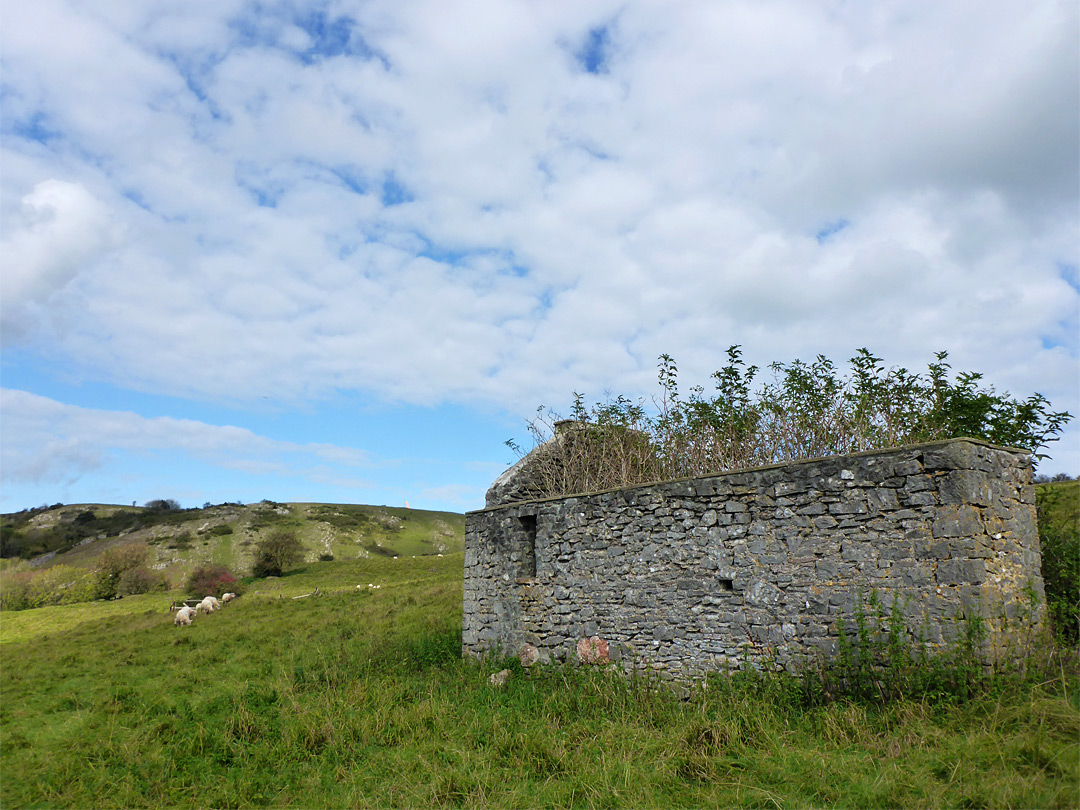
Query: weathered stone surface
529	655
500	678
733	570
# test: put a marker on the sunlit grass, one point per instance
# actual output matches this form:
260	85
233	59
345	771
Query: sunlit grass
358	697
27	625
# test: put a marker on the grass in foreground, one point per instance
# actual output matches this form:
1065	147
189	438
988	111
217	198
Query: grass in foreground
359	698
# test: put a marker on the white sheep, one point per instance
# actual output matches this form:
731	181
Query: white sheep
208	605
184	616
226	598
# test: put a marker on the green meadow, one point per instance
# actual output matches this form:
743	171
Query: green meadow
358	697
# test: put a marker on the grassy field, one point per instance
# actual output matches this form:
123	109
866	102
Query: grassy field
358	697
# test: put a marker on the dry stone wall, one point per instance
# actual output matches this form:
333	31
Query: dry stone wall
733	570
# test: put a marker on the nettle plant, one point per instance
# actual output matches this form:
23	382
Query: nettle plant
806	410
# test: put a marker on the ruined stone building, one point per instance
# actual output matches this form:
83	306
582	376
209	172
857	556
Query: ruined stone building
729	570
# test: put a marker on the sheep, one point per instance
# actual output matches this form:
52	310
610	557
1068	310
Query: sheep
184	616
214	601
228	598
207	605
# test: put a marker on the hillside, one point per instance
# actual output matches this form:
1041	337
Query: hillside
1059	503
226	534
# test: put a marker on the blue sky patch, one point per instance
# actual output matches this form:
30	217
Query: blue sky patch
197	76
262	189
332	37
546	300
35	128
830	229
351	178
393	192
595	50
247	32
439	254
1071	274
136	197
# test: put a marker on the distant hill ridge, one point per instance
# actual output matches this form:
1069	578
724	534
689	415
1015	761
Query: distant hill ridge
224	534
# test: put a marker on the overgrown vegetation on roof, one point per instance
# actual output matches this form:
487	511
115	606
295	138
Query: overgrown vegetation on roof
806	410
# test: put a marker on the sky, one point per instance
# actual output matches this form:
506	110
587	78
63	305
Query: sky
342	250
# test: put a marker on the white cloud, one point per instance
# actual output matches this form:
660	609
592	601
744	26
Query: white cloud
45	441
447	207
58	228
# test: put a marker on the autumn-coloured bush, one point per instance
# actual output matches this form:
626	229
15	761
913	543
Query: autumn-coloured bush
141	580
211	580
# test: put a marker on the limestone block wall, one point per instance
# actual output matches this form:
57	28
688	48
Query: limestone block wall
722	571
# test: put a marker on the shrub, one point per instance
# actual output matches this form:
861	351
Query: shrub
220	530
211	580
1059	535
15	589
141	580
182	541
279	551
326	557
11	542
113	563
22	587
162	505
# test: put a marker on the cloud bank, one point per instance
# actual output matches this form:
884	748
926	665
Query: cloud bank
500	203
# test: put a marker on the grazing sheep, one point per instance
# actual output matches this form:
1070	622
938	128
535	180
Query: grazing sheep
184	616
214	600
226	598
208	605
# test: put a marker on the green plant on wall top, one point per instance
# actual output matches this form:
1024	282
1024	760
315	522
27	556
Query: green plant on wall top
807	410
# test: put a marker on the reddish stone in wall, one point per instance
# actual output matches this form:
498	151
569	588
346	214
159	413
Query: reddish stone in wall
593	651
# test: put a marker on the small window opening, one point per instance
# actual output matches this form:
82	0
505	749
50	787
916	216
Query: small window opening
727	585
528	545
